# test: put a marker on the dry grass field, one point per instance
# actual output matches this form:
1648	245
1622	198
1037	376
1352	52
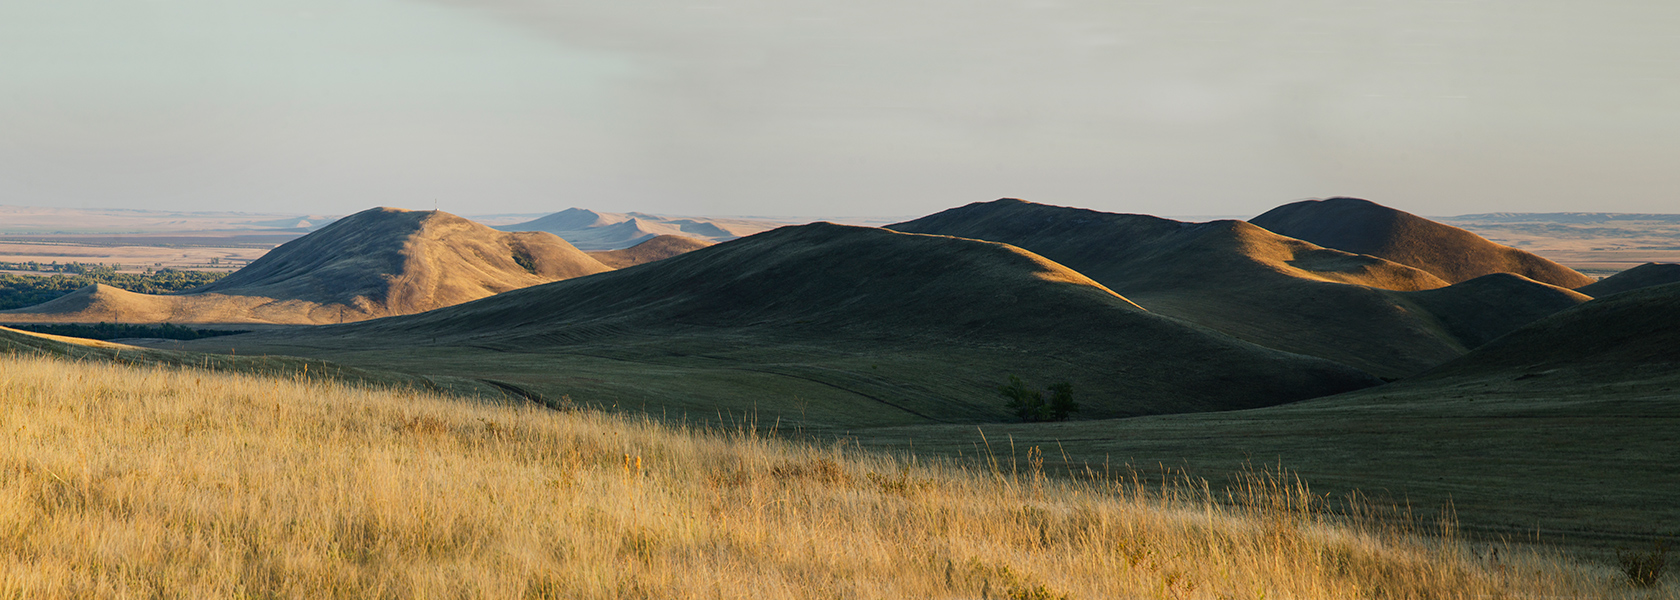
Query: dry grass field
128	482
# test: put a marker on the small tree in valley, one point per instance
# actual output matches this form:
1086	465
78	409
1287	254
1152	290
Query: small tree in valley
1029	404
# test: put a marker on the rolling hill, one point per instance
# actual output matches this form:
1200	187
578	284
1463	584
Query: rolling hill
1475	312
1453	254
375	263
842	326
597	231
1248	282
1564	430
655	248
1642	276
1621	339
15	343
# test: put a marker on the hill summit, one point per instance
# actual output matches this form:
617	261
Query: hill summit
1259	286
1453	254
375	263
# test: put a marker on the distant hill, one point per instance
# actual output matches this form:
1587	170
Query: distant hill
596	231
1241	279
1622	338
655	248
375	263
1453	254
868	324
1642	276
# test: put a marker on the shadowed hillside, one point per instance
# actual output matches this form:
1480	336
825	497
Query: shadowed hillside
371	264
657	248
1453	254
597	231
1622	338
15	343
1642	276
1567	428
1481	309
840	325
1243	280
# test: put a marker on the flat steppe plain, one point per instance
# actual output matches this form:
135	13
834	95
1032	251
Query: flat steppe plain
136	252
1596	247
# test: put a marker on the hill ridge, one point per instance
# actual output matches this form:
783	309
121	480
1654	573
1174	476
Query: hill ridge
1642	276
836	315
1231	276
1454	254
600	231
378	262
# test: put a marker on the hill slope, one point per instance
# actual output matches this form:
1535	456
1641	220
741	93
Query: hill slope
839	325
1230	276
1619	339
1642	276
315	489
1365	227
1477	311
375	263
15	343
597	231
1567	428
656	248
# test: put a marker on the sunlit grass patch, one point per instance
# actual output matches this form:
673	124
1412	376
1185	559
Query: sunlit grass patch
136	482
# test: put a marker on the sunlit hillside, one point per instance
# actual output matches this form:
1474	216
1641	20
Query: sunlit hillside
120	481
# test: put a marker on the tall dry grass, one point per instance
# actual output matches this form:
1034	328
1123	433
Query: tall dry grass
135	482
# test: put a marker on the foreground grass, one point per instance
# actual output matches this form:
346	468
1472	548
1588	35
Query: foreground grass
128	482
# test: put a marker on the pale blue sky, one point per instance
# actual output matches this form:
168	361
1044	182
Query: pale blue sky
883	107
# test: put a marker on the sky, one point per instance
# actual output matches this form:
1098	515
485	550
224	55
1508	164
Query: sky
862	107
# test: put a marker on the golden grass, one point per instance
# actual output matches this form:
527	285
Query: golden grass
157	482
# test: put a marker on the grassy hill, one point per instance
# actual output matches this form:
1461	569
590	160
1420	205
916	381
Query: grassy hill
1566	429
1475	312
375	263
1642	276
1453	254
179	483
655	248
832	326
1245	281
1613	340
15	344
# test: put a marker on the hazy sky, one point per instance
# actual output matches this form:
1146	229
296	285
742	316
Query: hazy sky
856	107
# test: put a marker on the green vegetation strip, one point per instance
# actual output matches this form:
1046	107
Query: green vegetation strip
18	291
